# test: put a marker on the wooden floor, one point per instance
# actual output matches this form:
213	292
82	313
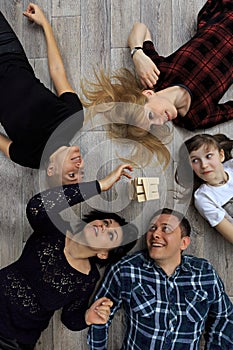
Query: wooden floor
94	33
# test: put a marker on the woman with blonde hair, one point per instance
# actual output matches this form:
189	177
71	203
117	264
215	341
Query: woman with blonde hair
184	88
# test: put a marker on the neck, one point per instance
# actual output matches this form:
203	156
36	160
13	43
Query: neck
76	257
169	267
179	97
220	180
77	250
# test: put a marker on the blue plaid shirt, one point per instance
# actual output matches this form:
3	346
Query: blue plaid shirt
166	312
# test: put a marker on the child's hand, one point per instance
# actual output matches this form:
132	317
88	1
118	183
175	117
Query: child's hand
99	311
35	14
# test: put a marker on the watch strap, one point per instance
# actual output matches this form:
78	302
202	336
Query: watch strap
136	48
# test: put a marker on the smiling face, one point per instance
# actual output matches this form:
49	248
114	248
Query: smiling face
206	162
103	234
165	242
158	110
66	165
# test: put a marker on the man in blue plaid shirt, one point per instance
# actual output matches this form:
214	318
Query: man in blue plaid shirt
169	299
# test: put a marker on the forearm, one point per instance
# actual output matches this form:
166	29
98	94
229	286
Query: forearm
138	35
57	199
225	227
55	61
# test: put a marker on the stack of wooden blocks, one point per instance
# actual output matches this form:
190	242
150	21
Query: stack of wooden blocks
144	189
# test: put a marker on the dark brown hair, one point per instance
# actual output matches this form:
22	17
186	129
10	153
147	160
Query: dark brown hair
185	175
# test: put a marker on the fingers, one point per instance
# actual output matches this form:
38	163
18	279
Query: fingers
150	79
104	301
101	308
124	173
122	168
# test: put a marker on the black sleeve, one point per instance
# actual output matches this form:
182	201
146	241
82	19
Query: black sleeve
73	315
149	50
44	207
72	100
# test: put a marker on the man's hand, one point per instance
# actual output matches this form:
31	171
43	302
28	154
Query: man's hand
99	311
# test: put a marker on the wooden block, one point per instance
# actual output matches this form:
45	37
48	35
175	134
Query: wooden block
142	189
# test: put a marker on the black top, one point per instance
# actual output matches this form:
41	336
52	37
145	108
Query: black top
41	280
29	112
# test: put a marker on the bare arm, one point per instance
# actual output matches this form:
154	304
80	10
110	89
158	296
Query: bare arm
55	62
146	69
5	144
225	227
114	176
139	33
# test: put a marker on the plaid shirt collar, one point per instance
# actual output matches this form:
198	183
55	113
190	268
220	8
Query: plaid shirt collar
149	263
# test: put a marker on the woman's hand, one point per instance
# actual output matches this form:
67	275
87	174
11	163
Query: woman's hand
99	311
114	176
147	71
35	14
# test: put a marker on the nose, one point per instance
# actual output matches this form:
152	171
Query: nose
75	148
101	225
203	163
157	233
78	163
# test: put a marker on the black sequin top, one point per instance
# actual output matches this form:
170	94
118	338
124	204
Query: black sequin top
41	280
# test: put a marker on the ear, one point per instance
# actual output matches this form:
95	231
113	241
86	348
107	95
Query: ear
51	169
103	255
185	241
148	93
222	155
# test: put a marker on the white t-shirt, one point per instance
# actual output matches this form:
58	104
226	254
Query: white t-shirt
209	199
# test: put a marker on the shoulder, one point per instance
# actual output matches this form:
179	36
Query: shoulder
134	259
228	165
71	98
199	264
201	191
202	196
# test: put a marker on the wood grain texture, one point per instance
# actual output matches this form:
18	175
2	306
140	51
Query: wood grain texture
93	33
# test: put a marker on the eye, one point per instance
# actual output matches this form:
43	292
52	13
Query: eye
111	235
209	156
194	160
150	116
152	228
166	229
106	223
71	175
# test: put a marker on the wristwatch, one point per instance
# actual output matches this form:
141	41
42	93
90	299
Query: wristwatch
135	49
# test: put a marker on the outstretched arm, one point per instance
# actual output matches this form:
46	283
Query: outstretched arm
146	69
55	62
5	144
46	206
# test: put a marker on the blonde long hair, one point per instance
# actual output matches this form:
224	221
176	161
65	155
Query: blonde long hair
119	97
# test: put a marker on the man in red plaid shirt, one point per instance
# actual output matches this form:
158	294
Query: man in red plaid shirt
186	86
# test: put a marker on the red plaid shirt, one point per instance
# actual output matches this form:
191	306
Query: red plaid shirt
203	65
